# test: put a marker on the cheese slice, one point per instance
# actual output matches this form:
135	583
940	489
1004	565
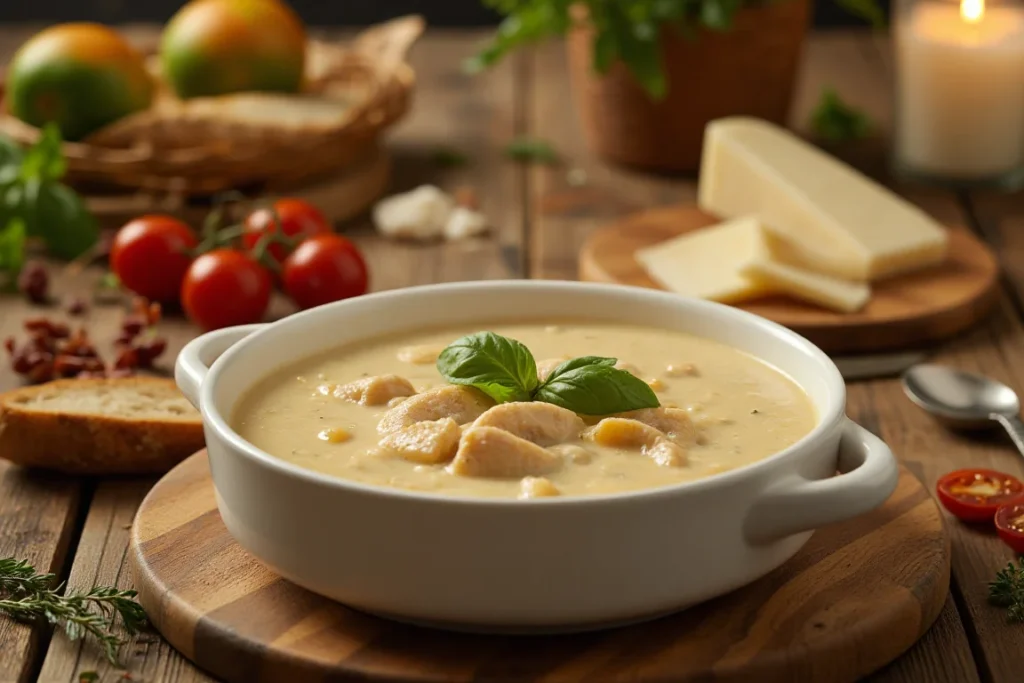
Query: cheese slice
736	261
708	263
835	220
843	296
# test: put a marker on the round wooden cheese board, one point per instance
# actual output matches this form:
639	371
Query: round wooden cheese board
854	598
904	311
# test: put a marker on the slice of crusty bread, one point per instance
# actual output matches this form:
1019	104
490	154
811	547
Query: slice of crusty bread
131	425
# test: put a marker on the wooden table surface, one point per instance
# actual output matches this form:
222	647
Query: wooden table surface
78	528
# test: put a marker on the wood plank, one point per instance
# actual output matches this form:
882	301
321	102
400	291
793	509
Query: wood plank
995	351
859	66
38	512
101	561
562	215
567	201
451	111
476	117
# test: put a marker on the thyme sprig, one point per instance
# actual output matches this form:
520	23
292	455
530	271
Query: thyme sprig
1008	591
27	595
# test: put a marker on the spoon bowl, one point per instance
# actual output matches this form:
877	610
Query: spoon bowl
963	399
957	397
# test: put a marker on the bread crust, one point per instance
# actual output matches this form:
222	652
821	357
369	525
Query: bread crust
93	443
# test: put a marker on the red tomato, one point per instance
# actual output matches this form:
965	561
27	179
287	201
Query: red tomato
1010	525
225	287
150	256
298	219
322	269
974	495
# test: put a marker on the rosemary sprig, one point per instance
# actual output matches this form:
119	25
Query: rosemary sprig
1008	591
27	596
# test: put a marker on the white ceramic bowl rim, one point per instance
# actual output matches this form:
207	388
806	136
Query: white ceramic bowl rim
828	419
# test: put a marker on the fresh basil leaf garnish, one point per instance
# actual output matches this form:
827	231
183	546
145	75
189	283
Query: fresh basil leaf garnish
505	370
596	389
574	363
502	368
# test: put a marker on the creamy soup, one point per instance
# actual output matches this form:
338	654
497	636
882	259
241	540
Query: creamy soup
380	413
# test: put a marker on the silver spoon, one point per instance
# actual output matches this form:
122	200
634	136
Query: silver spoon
963	399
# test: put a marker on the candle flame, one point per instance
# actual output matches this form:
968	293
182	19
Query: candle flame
972	10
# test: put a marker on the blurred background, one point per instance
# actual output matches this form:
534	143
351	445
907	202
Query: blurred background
328	12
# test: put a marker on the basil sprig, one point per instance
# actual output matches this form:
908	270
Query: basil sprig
34	203
505	370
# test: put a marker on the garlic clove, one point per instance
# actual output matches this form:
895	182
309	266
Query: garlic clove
421	214
463	223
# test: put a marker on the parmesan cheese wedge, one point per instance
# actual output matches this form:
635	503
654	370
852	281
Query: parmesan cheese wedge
835	220
736	261
708	263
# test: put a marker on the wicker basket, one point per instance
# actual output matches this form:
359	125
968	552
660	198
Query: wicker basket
200	147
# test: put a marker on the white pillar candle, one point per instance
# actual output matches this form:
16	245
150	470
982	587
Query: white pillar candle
960	88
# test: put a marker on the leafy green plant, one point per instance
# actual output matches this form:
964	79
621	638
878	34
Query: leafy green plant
629	31
506	371
834	120
35	204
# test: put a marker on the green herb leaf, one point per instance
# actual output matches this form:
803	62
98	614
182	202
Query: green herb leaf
10	155
834	120
446	157
500	367
718	14
530	150
640	50
12	250
605	51
595	388
110	280
1007	591
88	677
62	220
581	361
27	596
45	161
30	191
868	10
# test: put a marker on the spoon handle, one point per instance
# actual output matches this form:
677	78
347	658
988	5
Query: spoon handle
1014	426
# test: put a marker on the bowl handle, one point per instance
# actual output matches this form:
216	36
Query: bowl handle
195	359
868	477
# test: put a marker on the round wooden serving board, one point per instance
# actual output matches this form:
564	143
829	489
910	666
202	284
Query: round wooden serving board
856	597
905	311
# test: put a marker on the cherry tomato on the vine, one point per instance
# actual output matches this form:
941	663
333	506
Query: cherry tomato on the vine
151	254
1010	525
298	219
225	287
322	269
973	495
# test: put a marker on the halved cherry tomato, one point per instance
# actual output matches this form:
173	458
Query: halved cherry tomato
974	495
225	287
322	269
150	255
1010	525
298	219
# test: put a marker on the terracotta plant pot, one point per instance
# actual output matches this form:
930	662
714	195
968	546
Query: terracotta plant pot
749	69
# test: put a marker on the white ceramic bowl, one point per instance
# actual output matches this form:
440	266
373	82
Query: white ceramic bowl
551	564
